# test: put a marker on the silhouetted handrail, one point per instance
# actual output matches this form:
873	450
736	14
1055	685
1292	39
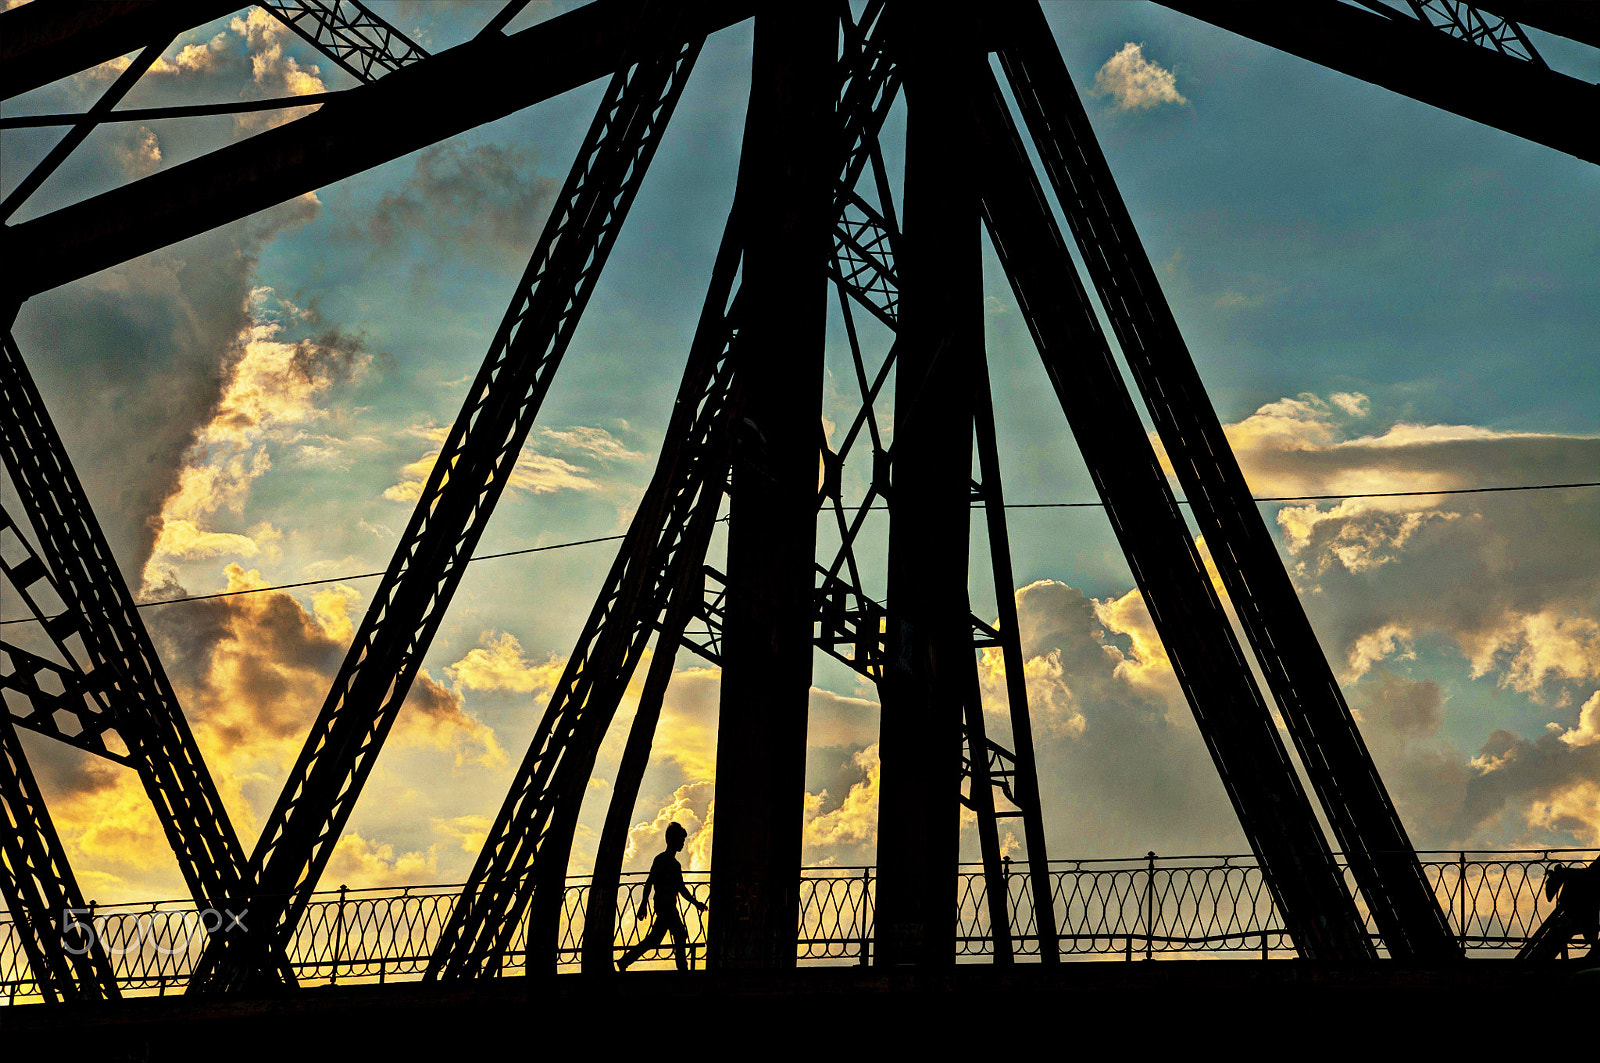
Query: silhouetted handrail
1106	908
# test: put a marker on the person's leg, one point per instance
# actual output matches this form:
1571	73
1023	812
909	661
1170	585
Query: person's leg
680	942
657	931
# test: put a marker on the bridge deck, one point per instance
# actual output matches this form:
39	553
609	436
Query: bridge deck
819	1009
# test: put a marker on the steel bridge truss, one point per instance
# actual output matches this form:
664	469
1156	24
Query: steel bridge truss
100	686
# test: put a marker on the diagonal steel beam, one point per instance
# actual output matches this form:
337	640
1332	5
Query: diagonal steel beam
653	585
67	958
456	90
122	662
1239	732
1416	60
471	473
85	125
43	42
1325	735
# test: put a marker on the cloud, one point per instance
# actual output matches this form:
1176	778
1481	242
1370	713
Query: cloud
691	808
272	389
278	74
253	48
355	859
500	665
1521	784
847	833
152	346
435	717
1121	763
1587	733
472	200
535	472
1502	589
139	152
1512	579
1136	83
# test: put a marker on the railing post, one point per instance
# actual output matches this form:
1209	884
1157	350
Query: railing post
1005	886
1150	905
1461	884
865	912
338	937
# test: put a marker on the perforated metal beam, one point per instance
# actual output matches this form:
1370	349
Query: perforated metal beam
121	664
1325	735
1239	732
474	466
67	958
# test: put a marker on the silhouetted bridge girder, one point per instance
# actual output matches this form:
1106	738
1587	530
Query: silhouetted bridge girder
743	428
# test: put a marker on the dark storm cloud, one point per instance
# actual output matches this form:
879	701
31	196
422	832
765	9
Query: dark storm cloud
471	199
133	360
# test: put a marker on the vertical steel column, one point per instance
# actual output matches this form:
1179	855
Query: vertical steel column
783	200
1025	784
929	646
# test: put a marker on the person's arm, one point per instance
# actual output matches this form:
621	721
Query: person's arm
644	902
683	888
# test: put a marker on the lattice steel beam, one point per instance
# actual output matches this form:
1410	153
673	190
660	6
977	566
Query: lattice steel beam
42	42
1468	23
654	583
1313	707
528	846
68	960
1238	729
472	471
347	32
1577	20
1416	60
122	662
84	699
456	90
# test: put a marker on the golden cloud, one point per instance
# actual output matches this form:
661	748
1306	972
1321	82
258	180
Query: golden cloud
855	822
356	860
1136	83
500	665
273	388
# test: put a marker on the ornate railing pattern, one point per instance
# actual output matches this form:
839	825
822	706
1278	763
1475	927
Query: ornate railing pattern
1130	908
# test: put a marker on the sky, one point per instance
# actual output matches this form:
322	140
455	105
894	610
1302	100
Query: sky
1380	296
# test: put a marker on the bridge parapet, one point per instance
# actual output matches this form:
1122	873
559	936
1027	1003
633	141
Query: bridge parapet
1133	908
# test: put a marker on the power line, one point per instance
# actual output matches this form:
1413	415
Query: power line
976	505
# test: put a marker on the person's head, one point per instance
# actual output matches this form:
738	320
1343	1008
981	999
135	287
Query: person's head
676	836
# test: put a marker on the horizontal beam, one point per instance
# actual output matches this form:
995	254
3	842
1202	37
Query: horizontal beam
477	82
41	43
1519	97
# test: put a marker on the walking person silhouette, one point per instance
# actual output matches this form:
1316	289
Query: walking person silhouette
666	882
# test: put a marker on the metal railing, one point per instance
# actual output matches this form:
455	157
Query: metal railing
1129	908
